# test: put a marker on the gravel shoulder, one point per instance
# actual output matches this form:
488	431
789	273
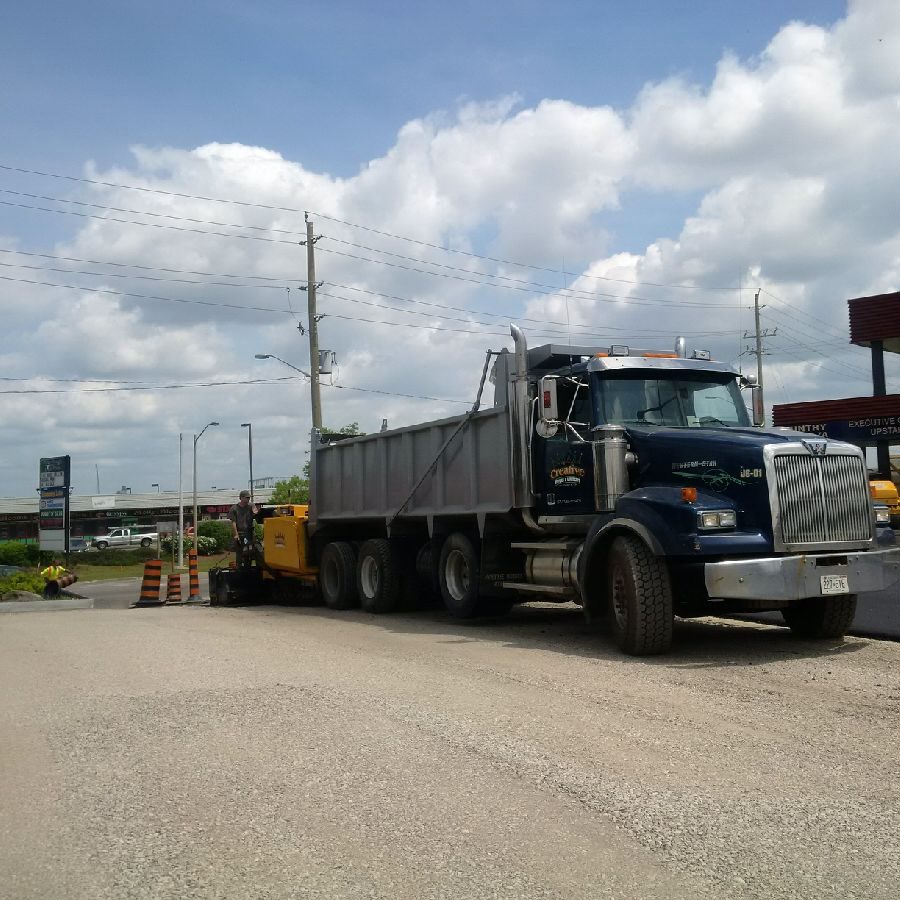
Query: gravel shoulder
273	752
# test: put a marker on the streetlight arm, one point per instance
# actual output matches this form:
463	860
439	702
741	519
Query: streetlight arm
283	362
197	438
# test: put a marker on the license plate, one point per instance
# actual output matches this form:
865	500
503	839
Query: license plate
835	584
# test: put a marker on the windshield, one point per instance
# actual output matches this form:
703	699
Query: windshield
687	400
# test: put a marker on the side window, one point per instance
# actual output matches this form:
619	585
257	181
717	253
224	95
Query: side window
574	408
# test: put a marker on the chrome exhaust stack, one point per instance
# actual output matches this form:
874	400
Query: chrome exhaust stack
611	460
521	421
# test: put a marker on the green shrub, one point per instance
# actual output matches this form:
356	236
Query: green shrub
218	530
22	581
206	546
168	542
114	557
14	554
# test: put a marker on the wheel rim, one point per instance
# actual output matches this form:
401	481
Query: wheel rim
619	602
369	577
457	575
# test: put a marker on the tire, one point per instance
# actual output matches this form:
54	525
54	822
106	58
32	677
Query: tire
337	575
821	617
458	572
102	545
378	580
146	542
640	598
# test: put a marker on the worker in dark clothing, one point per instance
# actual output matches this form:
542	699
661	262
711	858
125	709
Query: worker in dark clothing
243	516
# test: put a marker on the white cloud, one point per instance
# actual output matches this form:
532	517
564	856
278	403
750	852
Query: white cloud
794	152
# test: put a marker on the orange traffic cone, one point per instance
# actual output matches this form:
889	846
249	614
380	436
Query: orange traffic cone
173	589
150	584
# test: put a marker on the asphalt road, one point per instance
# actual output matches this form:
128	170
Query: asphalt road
288	752
877	615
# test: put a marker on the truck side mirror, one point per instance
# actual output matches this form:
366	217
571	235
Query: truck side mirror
756	401
548	407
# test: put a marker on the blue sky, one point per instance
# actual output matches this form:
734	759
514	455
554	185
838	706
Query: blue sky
329	84
680	150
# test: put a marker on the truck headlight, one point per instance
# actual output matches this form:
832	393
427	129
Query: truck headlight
717	518
882	515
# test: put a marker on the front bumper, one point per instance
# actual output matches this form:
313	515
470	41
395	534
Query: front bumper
786	578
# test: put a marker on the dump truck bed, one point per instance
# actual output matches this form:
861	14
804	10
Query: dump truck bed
372	477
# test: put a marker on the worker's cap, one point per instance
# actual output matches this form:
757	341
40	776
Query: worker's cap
244	494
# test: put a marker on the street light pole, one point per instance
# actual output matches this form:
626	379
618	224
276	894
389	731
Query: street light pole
196	439
249	428
180	503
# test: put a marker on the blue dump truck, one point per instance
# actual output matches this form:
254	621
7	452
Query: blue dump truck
630	482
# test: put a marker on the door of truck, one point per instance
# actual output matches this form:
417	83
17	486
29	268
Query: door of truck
563	463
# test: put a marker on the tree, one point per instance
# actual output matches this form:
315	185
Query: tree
296	489
293	490
351	430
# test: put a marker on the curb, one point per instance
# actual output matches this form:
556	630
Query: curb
17	606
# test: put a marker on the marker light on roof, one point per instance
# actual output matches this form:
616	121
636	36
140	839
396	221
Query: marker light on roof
619	350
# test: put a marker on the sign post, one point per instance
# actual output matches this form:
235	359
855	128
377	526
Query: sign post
53	509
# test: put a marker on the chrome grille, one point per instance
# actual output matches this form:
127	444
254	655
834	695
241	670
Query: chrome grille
822	499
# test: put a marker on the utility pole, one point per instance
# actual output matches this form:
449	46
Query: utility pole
759	352
313	325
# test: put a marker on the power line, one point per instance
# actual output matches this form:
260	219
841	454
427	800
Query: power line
506	262
584	334
160	225
144	212
146	190
346	387
248	308
134	387
515	283
92	290
99	262
803	312
551	290
137	386
296	210
279	284
63	271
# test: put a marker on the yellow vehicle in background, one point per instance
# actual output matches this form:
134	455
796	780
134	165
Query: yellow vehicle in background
279	568
885	492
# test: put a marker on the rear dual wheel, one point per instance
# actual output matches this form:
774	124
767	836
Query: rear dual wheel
379	579
337	575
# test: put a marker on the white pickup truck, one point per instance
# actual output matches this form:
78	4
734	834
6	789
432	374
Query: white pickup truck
136	535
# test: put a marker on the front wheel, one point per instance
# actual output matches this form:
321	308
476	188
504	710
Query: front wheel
821	617
102	545
640	597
